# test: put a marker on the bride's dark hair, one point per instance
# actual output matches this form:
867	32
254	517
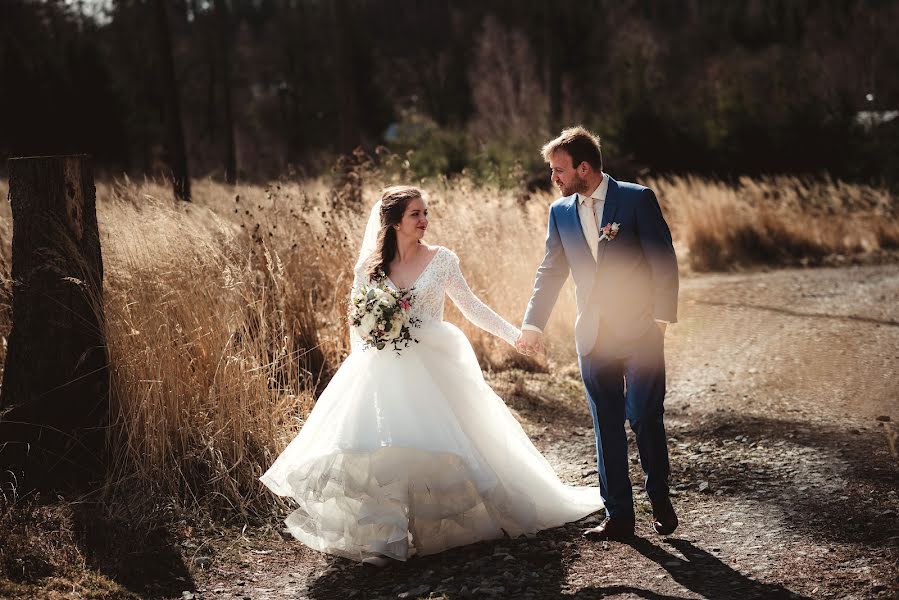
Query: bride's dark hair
394	201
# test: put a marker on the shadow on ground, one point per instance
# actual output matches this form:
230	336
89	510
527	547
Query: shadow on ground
852	513
559	399
704	574
51	544
479	566
799	313
146	561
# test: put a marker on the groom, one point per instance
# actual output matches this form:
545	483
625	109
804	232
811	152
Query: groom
614	240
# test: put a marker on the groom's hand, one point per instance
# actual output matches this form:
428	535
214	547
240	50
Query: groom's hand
530	342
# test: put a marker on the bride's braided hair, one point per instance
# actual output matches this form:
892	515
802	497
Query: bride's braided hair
394	201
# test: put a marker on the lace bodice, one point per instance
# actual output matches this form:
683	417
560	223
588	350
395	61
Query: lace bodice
442	277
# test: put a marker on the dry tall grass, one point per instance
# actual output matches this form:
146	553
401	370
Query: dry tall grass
226	316
220	328
777	221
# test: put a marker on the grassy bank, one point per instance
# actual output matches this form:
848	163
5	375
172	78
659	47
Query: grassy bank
225	316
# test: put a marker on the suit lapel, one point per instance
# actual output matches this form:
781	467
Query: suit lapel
608	215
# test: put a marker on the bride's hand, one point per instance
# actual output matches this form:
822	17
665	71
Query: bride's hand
529	342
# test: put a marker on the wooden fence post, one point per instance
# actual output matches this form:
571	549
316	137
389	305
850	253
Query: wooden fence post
54	400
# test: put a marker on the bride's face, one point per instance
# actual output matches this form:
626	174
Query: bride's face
563	174
415	220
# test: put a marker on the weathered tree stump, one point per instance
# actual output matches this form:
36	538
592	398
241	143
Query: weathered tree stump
54	400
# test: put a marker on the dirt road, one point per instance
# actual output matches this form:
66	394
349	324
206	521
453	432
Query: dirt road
782	473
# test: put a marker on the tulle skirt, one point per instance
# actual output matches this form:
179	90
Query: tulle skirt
415	453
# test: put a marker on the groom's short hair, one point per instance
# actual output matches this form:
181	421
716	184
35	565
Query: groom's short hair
580	144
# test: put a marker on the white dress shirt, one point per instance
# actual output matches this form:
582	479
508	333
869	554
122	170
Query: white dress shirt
590	217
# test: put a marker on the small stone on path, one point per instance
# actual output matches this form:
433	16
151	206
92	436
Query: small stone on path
415	592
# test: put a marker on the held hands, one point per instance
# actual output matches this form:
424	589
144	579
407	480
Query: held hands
530	342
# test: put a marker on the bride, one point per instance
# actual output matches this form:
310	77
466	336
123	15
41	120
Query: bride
409	451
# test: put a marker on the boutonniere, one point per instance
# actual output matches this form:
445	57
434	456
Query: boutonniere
609	231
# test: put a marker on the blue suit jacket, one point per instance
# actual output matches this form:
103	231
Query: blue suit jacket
632	283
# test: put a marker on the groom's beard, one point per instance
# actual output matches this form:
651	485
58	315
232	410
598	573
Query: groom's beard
578	184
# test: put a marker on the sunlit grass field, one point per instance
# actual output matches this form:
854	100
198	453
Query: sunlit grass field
226	316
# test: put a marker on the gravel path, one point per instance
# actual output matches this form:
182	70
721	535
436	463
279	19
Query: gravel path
781	412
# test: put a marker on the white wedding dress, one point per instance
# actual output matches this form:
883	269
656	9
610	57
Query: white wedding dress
413	453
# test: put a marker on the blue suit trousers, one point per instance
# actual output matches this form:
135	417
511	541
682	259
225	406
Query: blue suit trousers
632	388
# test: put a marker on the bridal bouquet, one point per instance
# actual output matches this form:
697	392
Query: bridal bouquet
380	315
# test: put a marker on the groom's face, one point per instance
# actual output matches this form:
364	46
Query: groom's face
564	175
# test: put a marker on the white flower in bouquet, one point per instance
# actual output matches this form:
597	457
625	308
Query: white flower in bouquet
384	298
368	323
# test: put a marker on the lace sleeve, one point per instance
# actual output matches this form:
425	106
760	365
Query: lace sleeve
358	279
473	309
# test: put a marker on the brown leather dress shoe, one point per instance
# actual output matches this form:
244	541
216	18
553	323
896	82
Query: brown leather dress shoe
613	528
664	518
